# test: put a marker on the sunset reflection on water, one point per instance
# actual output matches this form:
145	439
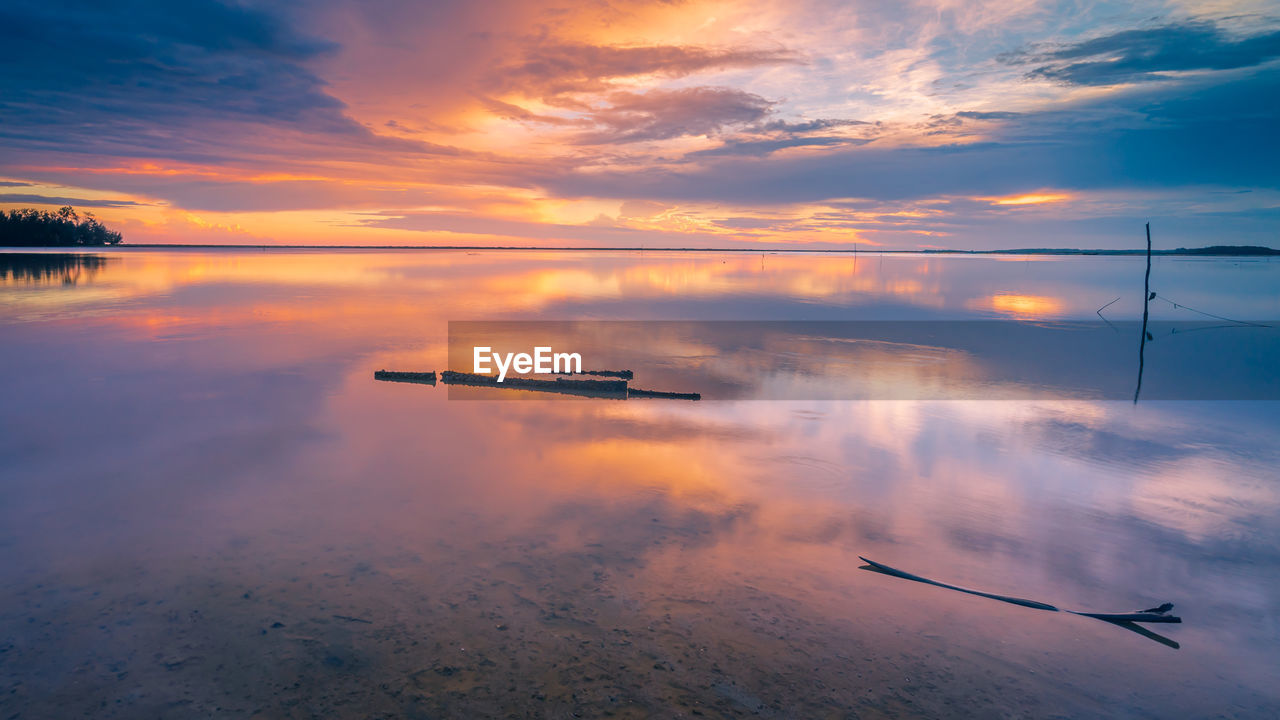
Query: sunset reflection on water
196	451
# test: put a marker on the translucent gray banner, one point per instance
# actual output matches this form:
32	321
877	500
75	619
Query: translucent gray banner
861	360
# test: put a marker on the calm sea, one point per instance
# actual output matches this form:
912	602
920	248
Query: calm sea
209	507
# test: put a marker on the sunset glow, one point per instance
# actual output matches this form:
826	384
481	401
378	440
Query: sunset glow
1033	199
645	124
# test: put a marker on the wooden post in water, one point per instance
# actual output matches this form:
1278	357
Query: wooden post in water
1146	302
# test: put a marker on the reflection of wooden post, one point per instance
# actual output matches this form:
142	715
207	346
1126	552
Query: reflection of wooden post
1146	301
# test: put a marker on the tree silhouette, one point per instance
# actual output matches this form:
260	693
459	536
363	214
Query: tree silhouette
65	228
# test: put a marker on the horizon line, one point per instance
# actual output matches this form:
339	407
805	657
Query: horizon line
877	251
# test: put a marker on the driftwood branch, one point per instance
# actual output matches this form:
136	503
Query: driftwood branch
422	378
622	374
1157	614
662	394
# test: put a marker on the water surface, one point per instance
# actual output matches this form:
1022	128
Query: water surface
209	508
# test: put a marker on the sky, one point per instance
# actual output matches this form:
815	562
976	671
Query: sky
755	123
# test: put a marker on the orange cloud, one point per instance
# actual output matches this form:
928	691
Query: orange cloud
1038	198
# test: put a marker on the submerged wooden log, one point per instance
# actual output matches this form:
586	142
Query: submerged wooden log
638	393
1150	615
623	374
614	389
608	389
422	378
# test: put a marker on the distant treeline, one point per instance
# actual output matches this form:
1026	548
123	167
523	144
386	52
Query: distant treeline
65	228
1219	250
1226	250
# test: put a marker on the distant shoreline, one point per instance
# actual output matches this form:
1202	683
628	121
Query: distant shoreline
1211	251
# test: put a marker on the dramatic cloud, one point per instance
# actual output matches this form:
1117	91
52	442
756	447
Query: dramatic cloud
559	69
142	79
21	199
802	123
1149	54
1162	138
993	115
760	148
764	138
807	126
662	114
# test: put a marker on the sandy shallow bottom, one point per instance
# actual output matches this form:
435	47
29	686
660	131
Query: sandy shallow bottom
483	632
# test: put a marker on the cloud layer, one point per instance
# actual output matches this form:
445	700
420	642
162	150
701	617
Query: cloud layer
686	123
1150	54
